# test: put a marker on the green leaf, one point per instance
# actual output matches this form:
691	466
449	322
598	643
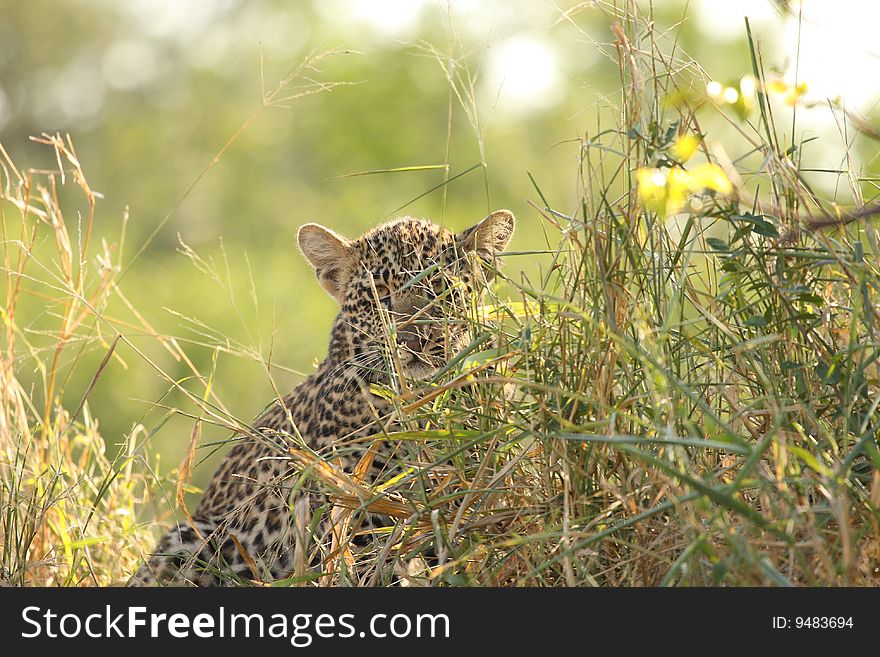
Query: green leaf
759	224
718	245
828	374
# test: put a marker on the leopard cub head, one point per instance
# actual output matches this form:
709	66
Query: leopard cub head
403	289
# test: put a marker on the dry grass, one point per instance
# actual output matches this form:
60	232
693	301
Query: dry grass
68	512
676	401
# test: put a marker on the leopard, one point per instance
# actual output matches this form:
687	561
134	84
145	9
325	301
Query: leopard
394	285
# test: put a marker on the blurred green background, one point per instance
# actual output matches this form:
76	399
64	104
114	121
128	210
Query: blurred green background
151	90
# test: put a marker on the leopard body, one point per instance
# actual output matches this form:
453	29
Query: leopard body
387	283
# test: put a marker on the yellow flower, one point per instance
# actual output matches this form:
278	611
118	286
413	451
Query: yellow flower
678	189
685	147
667	191
790	93
738	96
653	189
710	176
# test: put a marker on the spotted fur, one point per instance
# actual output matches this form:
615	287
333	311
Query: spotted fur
392	285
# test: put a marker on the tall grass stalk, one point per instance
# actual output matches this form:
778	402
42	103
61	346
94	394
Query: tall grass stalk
690	399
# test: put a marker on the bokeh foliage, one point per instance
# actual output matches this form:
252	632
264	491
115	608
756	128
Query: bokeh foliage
205	245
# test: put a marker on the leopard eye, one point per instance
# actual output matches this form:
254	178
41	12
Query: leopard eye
382	291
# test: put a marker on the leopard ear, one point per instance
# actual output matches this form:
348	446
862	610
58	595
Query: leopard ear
489	237
330	255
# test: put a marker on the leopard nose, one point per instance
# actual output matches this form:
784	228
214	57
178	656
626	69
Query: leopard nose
411	343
